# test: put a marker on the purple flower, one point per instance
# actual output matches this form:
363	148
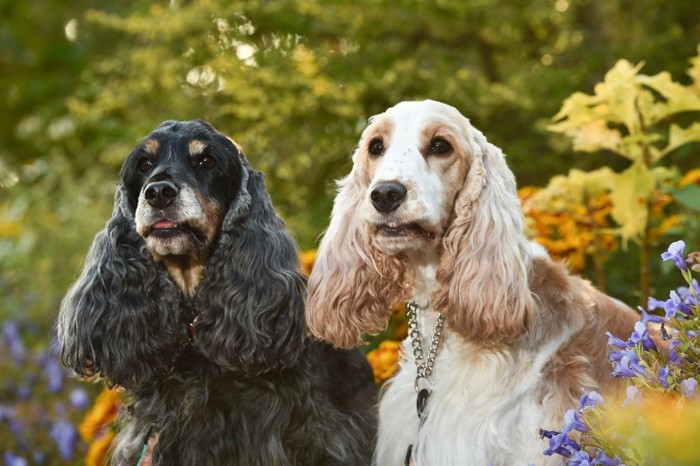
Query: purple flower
633	396
548	433
574	422
653	303
673	353
7	413
663	376
675	304
689	387
646	317
675	253
66	436
13	460
579	458
641	335
614	341
79	398
604	460
54	373
628	365
562	445
591	400
14	342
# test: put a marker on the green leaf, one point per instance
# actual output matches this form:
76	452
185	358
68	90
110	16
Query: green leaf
688	196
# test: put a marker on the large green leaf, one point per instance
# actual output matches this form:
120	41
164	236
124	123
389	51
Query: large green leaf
689	196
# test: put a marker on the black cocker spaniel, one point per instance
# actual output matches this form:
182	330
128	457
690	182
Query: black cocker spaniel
191	299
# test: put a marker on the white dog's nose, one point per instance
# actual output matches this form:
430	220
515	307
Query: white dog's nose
388	196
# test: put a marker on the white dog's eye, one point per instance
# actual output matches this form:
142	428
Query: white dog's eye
376	147
439	146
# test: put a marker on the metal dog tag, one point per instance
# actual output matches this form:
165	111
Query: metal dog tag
422	401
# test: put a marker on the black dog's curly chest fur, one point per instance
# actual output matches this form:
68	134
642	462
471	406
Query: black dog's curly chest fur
248	387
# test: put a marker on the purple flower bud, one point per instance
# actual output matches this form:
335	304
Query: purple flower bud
674	305
675	253
591	400
663	376
673	352
653	303
79	398
573	421
66	436
614	341
13	460
646	317
604	460
689	387
641	335
54	373
7	413
562	445
634	396
579	458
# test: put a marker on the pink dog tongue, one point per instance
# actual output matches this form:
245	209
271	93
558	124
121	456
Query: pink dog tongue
162	224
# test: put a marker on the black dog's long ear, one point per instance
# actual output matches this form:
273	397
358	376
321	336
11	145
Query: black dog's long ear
109	326
251	300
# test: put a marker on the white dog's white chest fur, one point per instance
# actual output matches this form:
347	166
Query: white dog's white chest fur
487	403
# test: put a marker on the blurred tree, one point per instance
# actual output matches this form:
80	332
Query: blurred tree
293	81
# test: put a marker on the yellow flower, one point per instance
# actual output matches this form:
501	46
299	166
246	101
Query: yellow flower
101	416
384	360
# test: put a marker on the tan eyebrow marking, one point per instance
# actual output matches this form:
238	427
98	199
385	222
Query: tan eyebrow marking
197	147
152	146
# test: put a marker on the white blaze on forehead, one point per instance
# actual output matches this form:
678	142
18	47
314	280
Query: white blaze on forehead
403	161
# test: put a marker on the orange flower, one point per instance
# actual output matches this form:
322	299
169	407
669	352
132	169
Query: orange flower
692	177
97	452
101	416
384	360
307	261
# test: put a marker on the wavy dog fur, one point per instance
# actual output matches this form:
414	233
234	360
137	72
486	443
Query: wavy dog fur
248	388
430	212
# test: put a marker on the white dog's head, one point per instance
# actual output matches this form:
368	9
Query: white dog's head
423	179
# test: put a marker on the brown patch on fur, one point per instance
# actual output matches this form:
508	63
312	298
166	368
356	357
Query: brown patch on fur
151	146
196	147
186	271
483	291
353	284
568	302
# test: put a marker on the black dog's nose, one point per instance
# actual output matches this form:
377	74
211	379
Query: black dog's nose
387	196
161	194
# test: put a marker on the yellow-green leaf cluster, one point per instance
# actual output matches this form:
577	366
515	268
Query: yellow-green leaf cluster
625	113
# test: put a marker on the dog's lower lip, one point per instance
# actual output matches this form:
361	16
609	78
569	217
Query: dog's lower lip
394	229
164	225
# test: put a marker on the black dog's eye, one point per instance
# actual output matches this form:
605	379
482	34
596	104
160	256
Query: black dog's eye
439	146
207	162
144	164
376	147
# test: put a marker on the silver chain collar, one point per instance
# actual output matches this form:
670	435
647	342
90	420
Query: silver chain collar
424	368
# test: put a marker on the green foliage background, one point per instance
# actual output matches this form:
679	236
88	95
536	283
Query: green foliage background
293	81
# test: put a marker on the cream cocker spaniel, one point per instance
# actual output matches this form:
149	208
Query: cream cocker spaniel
429	214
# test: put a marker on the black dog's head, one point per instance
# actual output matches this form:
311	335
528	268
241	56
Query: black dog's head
193	238
179	183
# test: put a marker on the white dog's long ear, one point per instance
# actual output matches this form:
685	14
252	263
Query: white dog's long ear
483	273
353	284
